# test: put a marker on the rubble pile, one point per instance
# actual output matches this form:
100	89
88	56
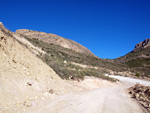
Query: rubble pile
142	94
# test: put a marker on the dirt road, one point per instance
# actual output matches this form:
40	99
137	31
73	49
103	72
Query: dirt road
130	81
113	99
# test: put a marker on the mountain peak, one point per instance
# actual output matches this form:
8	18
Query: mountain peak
142	45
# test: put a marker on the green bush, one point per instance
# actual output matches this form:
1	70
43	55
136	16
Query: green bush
137	75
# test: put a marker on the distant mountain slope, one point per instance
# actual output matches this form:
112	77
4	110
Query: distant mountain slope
61	60
141	50
61	52
138	59
55	39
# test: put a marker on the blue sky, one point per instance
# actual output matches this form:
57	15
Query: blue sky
109	28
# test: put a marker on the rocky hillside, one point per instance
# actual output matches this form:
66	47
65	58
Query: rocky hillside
63	60
141	50
138	60
61	53
55	39
24	79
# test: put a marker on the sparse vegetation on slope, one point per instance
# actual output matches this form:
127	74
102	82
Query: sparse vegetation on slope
60	59
137	61
55	39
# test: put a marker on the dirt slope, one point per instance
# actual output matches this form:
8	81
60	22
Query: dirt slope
24	78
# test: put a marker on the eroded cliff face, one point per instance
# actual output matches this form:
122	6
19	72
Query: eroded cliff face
55	39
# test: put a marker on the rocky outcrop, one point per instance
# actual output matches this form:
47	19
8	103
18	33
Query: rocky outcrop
55	39
142	94
5	31
142	45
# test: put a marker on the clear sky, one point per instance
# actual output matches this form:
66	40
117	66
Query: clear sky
109	28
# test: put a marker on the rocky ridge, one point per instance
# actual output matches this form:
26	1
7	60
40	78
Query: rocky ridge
55	39
142	45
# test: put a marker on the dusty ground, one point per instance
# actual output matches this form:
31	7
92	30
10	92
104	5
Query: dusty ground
108	98
103	100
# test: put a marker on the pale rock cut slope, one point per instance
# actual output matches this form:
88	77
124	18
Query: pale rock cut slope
24	77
